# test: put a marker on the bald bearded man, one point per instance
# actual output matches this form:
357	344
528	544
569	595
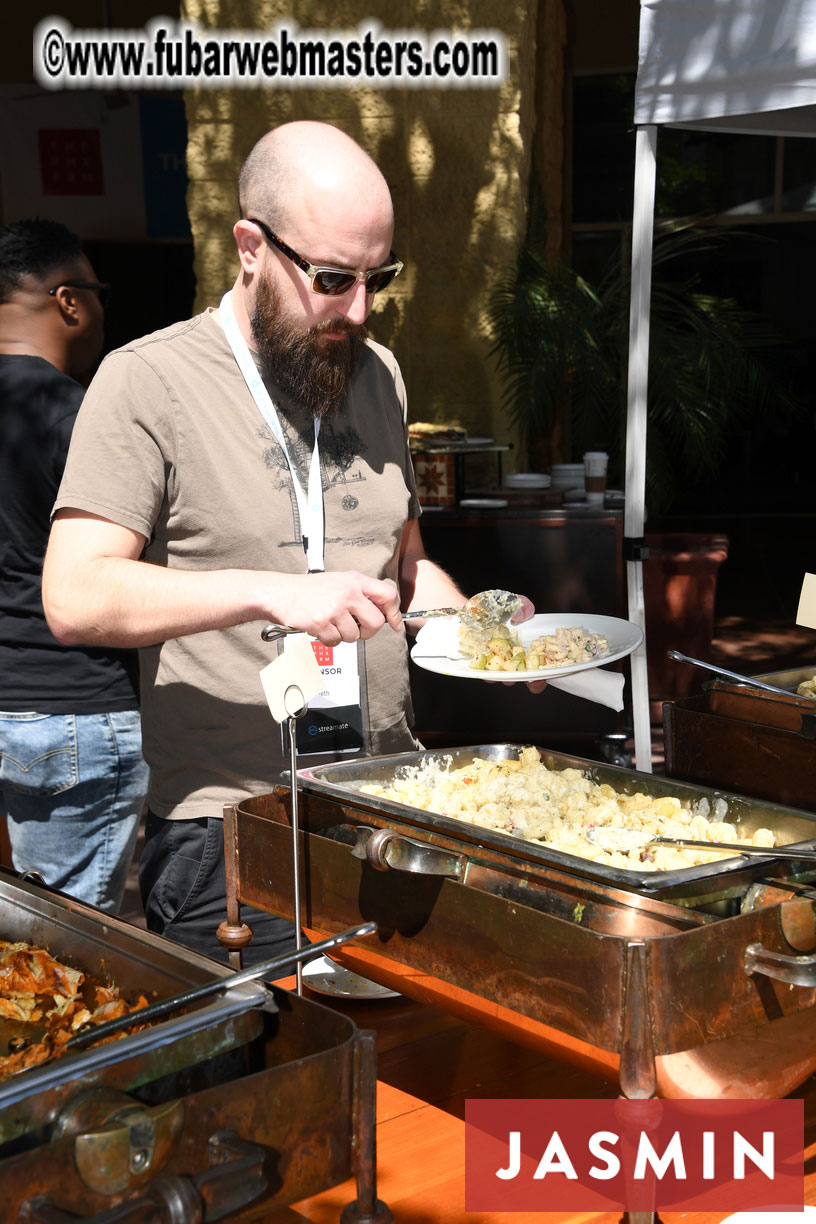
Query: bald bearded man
200	501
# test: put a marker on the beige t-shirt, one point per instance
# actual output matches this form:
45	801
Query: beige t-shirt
170	443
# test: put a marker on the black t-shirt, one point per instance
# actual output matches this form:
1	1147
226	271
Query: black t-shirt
38	405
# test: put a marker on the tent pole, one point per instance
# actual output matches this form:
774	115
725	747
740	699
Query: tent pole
637	387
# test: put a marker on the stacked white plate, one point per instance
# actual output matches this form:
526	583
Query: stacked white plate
568	476
527	480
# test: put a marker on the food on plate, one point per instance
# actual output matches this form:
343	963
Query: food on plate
501	649
427	431
556	808
807	688
54	1000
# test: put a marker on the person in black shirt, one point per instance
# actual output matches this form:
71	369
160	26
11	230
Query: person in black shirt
72	777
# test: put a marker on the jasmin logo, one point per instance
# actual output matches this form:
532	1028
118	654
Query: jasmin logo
556	1155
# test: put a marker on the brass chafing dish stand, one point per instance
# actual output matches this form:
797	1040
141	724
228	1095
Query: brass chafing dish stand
234	1108
692	983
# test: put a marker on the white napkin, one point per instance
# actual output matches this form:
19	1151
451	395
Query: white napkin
595	684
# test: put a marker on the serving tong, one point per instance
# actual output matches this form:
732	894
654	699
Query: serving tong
269	969
485	610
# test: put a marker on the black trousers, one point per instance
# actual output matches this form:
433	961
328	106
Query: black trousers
182	879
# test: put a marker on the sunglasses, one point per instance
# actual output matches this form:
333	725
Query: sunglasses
101	288
334	282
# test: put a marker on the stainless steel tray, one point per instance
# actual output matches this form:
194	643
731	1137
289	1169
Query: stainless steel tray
790	826
790	679
137	962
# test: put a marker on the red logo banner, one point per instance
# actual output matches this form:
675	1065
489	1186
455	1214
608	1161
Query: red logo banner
323	654
581	1155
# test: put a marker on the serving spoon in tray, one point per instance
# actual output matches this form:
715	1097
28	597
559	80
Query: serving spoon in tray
269	969
607	837
730	675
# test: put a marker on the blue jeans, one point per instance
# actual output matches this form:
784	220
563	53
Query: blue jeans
72	788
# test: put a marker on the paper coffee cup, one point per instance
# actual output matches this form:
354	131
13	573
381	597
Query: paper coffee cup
595	475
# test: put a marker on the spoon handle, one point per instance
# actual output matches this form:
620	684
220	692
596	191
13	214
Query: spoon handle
723	671
738	847
431	612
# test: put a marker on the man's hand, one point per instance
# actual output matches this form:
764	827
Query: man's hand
340	607
525	612
97	589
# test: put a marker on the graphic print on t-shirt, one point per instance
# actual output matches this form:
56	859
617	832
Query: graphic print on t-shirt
341	448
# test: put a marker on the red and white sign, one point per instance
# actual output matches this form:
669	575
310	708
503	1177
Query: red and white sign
71	161
581	1155
323	654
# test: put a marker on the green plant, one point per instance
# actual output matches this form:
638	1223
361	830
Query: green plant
561	344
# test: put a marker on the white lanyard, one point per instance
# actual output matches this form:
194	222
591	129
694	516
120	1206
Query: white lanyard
310	503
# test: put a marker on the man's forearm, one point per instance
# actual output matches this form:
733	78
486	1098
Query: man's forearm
430	587
116	601
98	590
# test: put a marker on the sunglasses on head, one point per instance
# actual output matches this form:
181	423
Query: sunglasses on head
334	282
101	288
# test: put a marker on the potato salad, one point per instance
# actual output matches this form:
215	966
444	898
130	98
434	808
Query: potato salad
557	807
501	649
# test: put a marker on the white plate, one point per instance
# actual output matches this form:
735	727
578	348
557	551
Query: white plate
479	441
436	648
527	480
329	978
484	503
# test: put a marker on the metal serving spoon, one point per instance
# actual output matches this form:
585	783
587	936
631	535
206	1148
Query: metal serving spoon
723	671
270	969
482	611
486	610
615	839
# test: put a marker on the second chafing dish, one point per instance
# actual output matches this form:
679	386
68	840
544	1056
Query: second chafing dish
257	1097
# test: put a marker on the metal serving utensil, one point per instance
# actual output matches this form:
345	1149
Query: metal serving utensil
607	837
730	675
270	969
486	610
482	611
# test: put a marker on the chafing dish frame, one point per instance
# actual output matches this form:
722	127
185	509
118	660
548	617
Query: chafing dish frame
565	941
298	1118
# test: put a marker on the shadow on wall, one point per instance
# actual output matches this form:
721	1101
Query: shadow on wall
457	164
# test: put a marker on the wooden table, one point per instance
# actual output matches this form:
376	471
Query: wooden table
430	1063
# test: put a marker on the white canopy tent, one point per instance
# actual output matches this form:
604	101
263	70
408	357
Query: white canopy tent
731	66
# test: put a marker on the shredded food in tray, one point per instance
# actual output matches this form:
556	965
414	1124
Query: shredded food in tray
45	1002
556	807
807	688
500	649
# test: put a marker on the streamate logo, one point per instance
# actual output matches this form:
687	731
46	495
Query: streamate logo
557	1155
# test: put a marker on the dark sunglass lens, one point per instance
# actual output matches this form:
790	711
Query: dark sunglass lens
332	283
375	281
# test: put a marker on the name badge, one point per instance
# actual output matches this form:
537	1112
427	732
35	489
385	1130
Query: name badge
333	724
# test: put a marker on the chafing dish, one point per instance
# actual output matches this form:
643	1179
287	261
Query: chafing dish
760	744
257	1096
698	982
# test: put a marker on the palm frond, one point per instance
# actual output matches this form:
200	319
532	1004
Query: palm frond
559	340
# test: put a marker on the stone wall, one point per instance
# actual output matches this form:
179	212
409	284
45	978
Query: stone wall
457	161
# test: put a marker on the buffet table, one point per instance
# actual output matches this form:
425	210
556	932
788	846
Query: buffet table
429	1064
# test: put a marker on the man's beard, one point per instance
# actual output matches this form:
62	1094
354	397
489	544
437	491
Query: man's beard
314	371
